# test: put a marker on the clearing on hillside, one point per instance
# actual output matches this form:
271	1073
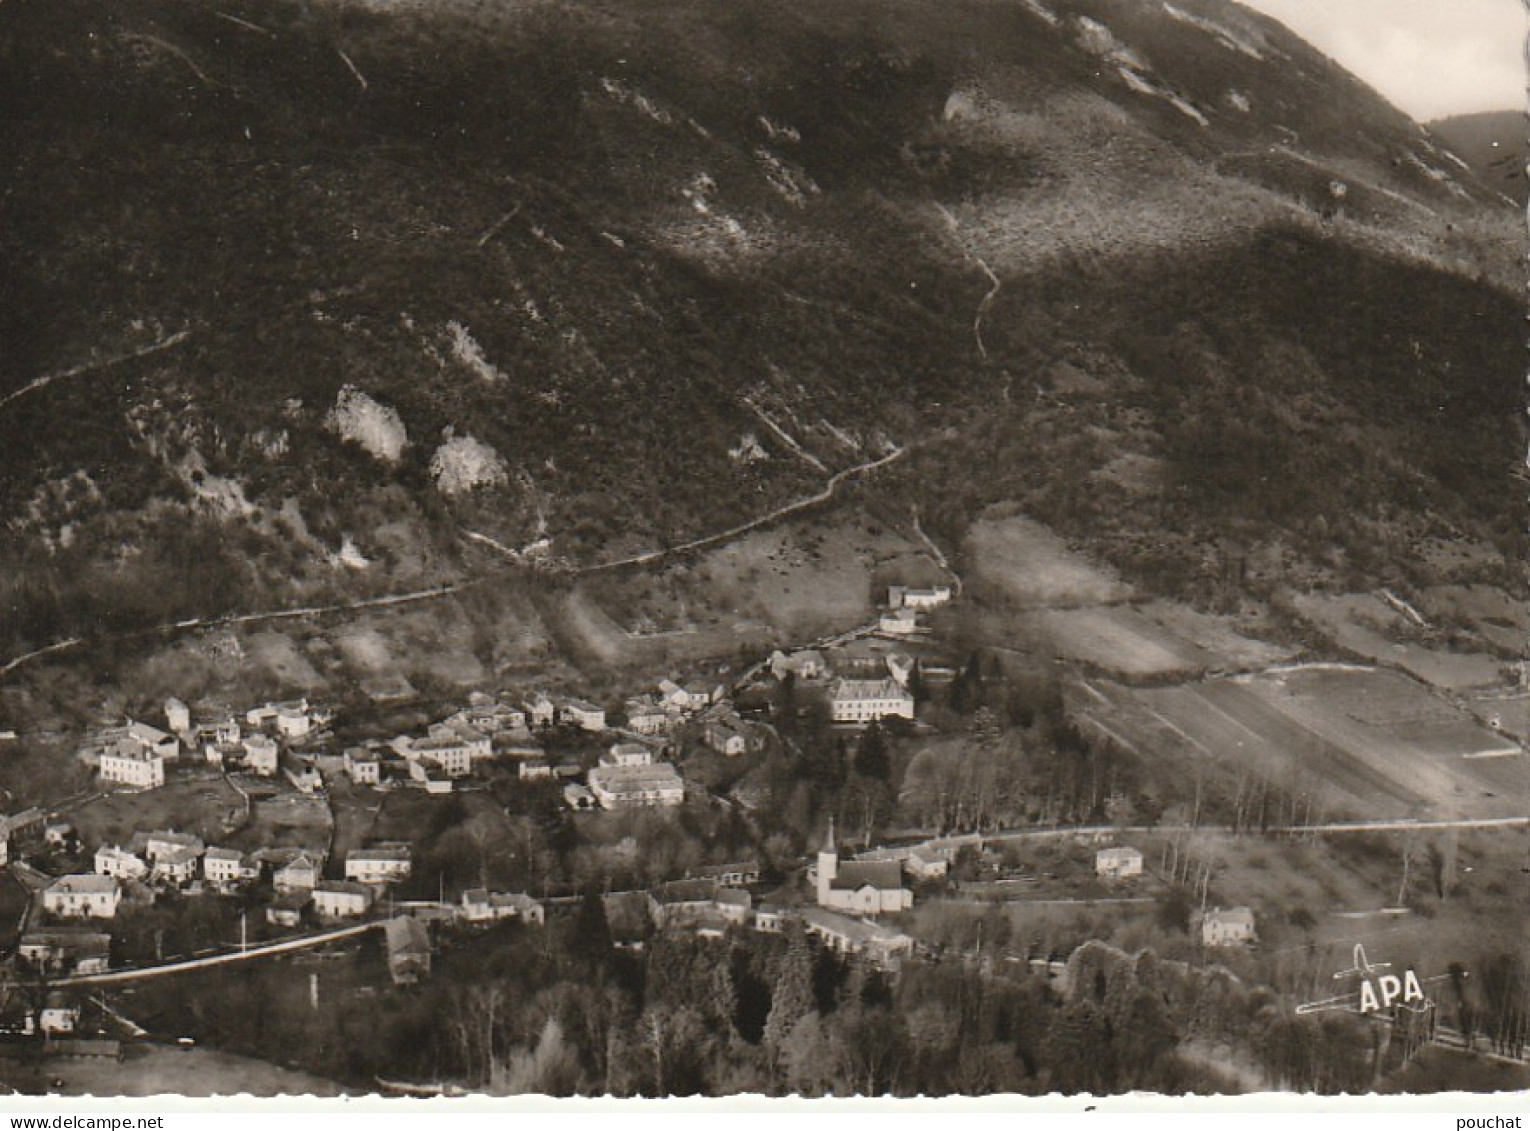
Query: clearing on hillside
1033	567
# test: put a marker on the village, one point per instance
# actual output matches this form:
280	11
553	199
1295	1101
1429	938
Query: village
313	874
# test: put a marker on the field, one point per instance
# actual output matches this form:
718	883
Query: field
195	802
1161	639
154	1070
284	820
1033	568
1367	626
1375	743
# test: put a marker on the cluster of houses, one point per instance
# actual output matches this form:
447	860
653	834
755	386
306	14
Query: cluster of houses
137	754
715	899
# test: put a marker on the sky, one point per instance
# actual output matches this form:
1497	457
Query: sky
1431	58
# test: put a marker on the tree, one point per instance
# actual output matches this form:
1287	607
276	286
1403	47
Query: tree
549	1068
792	998
592	932
872	758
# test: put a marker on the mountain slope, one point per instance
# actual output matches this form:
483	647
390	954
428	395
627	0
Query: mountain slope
640	271
1496	144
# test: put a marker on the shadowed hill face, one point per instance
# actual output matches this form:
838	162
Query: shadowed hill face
1496	145
667	263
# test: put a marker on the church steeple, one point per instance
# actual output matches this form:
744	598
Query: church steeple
828	867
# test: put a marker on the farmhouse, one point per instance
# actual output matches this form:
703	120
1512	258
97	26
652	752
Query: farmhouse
926	864
844	935
177	867
627	754
226	868
162	842
451	755
693	696
363	766
128	763
82	896
299	873
805	665
382	865
534	769
1232	927
863	700
904	597
341	899
646	717
698	903
726	736
260	755
865	887
901	622
1118	863
584	715
736	875
479	905
770	918
66	952
489	718
119	863
541	711
618	787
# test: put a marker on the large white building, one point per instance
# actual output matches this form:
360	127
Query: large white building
377	865
864	700
84	896
131	763
620	787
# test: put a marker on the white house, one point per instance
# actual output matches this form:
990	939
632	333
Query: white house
584	715
899	622
808	664
363	766
167	746
341	899
119	863
479	905
132	764
381	865
693	696
1118	863
620	787
163	841
298	874
82	896
450	755
926	864
862	887
227	868
863	700
177	867
627	754
905	597
1232	927
646	717
260	755
293	720
541	711
726	737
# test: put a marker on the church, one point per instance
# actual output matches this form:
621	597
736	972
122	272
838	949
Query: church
858	887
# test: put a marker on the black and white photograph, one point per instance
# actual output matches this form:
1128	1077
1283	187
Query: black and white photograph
643	549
